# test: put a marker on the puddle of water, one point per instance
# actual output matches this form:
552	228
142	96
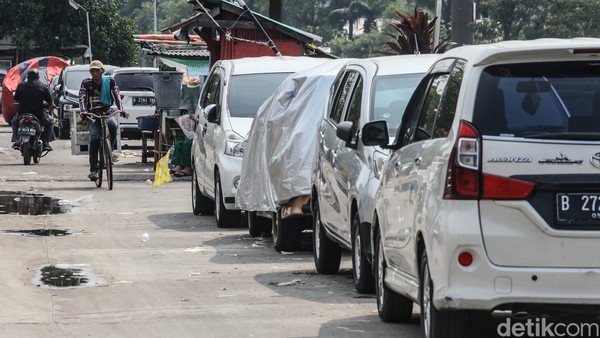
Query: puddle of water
38	232
24	203
66	276
61	277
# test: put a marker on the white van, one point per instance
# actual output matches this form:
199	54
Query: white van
232	94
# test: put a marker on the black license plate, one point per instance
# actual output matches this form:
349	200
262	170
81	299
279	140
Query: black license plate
143	101
578	208
27	131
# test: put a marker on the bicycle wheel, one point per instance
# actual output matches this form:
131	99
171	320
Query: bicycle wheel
100	165
108	163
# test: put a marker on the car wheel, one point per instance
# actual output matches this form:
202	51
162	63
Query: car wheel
225	218
327	254
364	281
434	323
392	307
201	205
286	234
258	225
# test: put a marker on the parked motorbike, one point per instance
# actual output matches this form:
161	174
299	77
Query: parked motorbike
30	135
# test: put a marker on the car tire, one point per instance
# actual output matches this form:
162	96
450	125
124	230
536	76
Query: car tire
225	218
434	323
362	270
201	205
286	234
257	225
392	307
327	254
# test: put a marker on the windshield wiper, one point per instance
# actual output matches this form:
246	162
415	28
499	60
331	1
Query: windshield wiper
586	136
139	87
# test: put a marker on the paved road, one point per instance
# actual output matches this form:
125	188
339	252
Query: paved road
189	279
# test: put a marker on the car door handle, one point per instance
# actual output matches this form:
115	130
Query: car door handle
418	161
204	128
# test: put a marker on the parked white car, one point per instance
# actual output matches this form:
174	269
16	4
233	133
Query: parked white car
136	87
346	171
230	98
489	200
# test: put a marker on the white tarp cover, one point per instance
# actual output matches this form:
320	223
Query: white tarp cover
282	146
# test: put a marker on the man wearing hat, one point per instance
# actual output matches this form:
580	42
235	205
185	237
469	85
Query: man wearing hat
96	95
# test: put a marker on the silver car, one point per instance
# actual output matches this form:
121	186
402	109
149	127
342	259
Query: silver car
347	172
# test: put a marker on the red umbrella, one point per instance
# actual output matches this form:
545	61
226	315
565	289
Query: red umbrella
48	67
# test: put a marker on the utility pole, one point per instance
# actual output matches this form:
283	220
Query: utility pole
462	21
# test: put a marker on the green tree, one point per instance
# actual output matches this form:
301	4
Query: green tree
46	26
363	46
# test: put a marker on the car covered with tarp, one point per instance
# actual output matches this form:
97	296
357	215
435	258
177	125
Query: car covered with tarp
280	153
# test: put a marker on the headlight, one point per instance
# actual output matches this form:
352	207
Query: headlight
235	146
379	159
66	111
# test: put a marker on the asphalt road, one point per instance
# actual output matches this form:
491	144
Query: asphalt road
188	279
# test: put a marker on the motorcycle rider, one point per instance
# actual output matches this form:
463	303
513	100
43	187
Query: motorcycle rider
31	96
96	95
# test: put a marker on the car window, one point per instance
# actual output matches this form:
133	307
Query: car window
447	109
533	99
353	114
73	79
432	103
391	94
249	91
212	91
134	81
341	96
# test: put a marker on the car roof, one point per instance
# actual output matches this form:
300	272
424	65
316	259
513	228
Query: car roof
271	64
134	70
403	64
86	67
544	49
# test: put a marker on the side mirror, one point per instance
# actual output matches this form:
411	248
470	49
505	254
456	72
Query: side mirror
211	113
58	88
345	131
375	133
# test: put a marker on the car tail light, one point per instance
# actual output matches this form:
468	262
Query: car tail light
464	179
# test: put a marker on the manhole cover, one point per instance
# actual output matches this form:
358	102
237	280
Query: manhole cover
38	232
65	276
23	203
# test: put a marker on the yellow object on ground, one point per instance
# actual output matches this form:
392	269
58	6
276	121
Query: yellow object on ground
162	174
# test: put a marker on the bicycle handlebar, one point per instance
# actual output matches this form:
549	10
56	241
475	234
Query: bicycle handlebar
104	116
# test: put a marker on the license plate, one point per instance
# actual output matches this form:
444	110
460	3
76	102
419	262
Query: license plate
143	101
27	131
578	208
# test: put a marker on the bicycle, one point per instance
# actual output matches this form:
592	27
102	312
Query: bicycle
105	160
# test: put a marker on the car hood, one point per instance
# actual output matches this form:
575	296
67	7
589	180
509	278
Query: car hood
241	125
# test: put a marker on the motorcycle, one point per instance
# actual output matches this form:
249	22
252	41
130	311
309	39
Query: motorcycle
30	135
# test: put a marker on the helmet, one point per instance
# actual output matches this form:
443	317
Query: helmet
33	74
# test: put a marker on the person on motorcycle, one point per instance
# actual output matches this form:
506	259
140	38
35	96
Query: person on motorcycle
96	95
31	96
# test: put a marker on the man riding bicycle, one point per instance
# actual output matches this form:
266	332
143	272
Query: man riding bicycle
31	96
96	95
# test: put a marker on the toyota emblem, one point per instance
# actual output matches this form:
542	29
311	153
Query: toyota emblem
595	160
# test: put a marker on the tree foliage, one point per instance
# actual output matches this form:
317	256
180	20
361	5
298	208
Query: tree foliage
414	33
46	26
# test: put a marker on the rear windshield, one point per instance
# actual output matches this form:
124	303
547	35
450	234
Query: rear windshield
134	82
390	97
546	100
73	79
248	92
